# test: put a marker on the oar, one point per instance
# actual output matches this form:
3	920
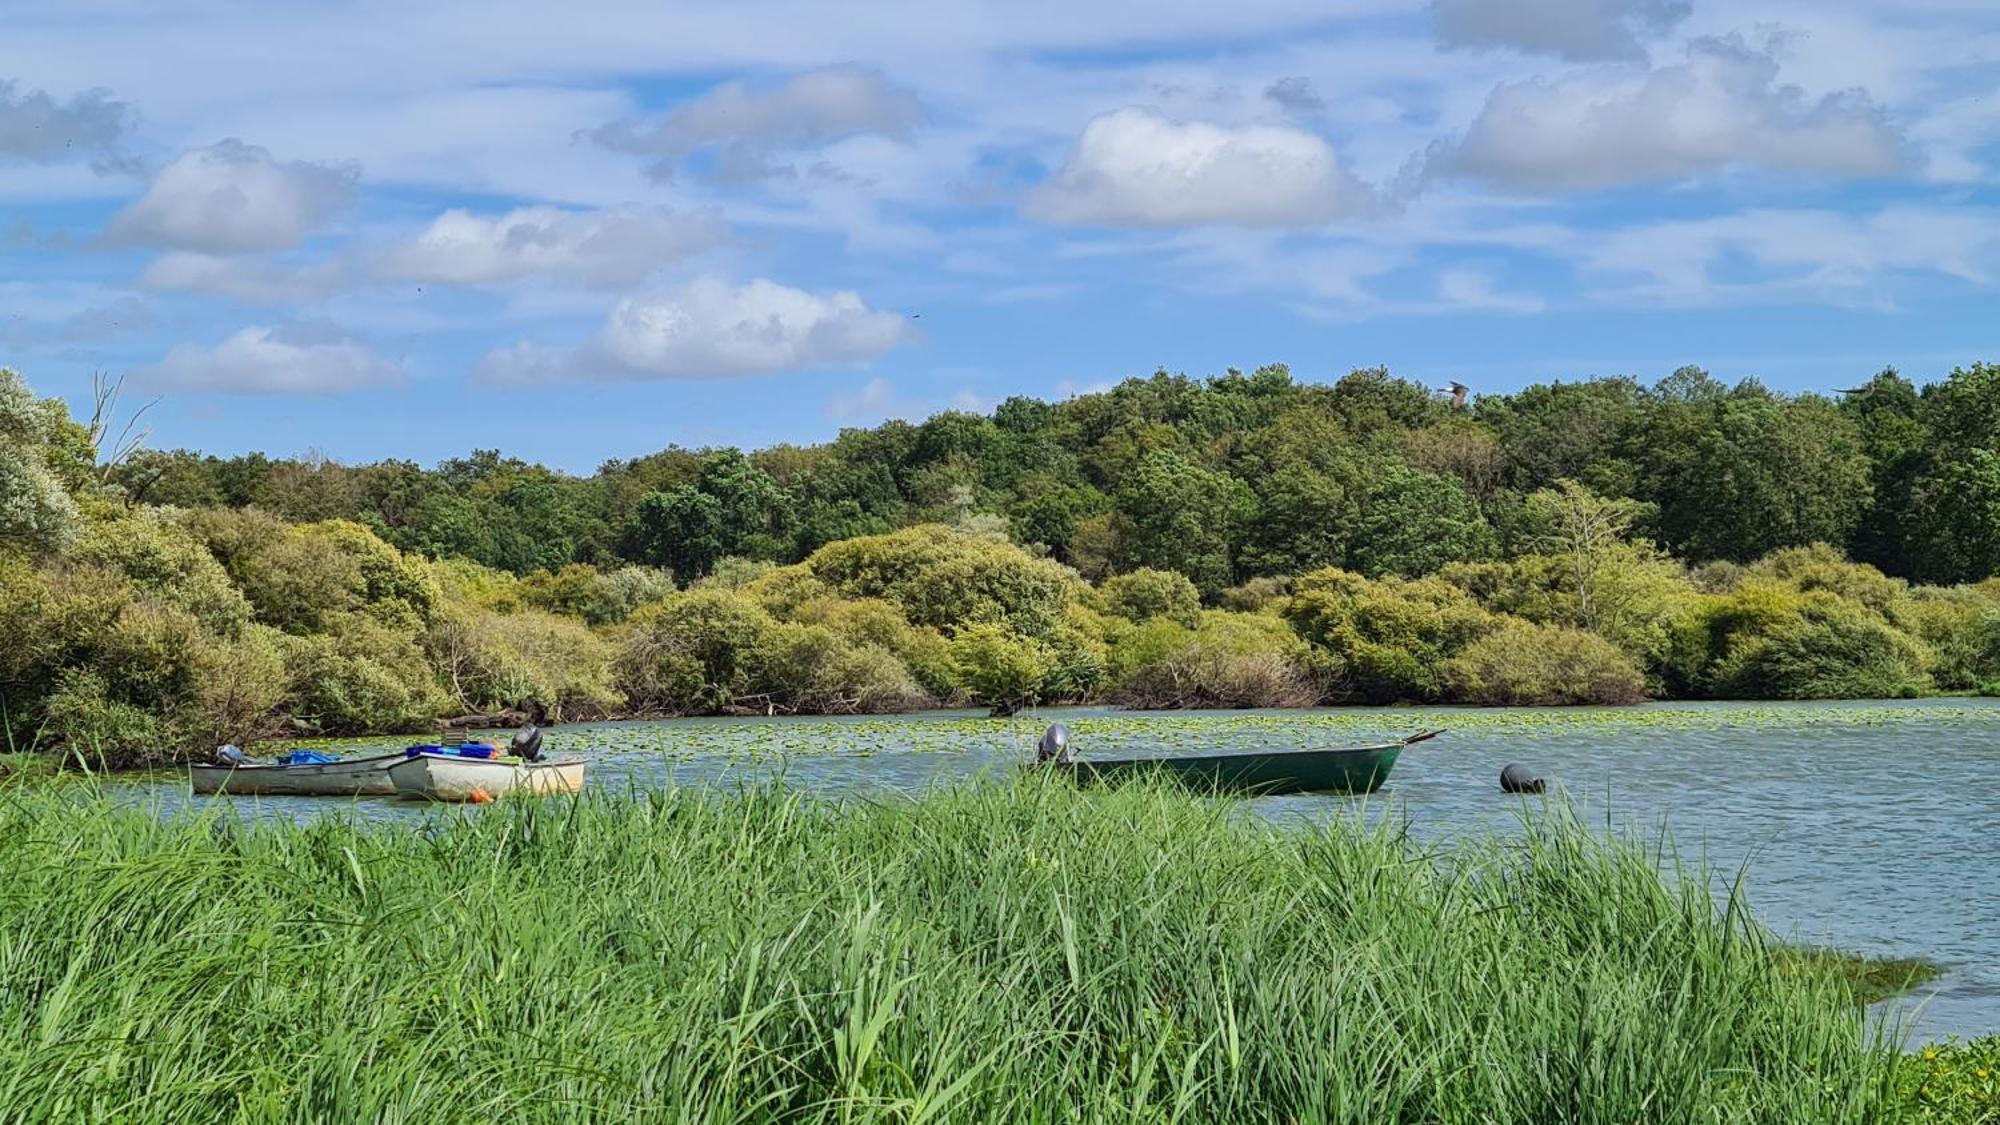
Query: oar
1422	735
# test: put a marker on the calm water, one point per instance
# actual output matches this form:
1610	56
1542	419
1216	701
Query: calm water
1870	827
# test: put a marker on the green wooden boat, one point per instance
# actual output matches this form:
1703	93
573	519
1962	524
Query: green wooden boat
1352	769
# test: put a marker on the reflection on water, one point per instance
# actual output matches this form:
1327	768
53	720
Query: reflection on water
1871	827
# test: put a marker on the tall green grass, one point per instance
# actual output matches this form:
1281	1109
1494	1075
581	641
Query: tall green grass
1025	953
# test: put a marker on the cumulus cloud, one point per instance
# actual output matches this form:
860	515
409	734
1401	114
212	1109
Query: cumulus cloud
712	330
1133	168
38	129
1723	107
243	279
617	246
745	125
234	198
1571	29
309	357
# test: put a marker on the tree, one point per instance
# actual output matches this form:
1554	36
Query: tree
1584	528
37	514
680	530
1954	532
1414	522
1742	472
1184	517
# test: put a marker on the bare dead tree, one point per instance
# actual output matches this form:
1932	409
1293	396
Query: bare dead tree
104	394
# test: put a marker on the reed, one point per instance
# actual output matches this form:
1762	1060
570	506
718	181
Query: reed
1005	953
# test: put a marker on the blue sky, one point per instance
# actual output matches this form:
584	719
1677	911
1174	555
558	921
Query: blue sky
380	229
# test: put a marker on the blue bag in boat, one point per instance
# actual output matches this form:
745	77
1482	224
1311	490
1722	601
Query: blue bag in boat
307	758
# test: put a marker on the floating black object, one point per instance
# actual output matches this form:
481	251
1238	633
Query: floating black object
1517	779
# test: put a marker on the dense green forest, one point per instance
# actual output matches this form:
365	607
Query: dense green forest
1247	539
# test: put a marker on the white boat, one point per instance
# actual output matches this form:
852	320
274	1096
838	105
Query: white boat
448	777
363	777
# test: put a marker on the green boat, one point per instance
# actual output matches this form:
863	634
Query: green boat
1353	769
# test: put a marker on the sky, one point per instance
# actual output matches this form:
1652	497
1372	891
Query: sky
574	232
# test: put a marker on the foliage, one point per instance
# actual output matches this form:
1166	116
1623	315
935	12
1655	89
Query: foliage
1181	516
1774	642
1226	660
1144	594
1385	640
361	675
1524	664
997	666
1954	1081
38	516
944	578
493	661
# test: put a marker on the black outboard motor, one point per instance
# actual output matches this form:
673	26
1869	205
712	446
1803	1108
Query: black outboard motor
527	743
1054	745
1517	779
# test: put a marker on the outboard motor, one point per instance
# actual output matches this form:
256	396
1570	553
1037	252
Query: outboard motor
1053	746
527	743
1517	779
231	756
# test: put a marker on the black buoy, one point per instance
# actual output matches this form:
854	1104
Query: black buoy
1517	779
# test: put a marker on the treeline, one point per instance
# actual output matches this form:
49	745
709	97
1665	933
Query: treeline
140	631
1224	480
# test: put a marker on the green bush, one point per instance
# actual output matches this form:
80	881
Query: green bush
98	731
300	577
1385	640
999	667
166	563
946	578
38	516
1525	664
811	669
495	661
1954	1081
1228	660
873	621
1144	594
696	652
361	676
1775	643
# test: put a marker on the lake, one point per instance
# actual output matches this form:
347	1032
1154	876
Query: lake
1872	827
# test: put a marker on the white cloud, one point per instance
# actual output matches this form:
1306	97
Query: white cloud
616	246
244	279
233	198
1815	255
744	124
1572	29
712	330
1721	108
296	358
38	129
1136	169
1461	287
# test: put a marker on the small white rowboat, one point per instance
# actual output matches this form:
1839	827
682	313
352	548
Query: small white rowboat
366	777
448	777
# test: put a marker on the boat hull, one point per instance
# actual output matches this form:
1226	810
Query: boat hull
1360	769
446	777
357	777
